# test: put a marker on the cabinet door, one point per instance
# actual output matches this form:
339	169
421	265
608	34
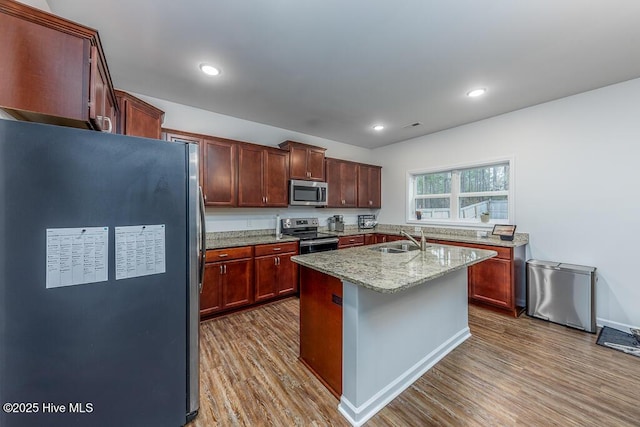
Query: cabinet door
315	164
237	284
334	199
266	271
276	177
490	282
369	239
219	173
298	162
375	184
211	291
348	184
287	274
368	186
250	175
137	118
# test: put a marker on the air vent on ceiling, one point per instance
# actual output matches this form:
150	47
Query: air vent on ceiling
412	125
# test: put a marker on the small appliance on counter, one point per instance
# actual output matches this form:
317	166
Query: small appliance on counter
366	222
338	219
331	223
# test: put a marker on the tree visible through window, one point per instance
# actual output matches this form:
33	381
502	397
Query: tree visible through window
461	194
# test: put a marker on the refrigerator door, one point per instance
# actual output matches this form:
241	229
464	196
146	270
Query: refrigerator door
197	242
100	353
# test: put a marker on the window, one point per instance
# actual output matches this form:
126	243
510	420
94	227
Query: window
462	194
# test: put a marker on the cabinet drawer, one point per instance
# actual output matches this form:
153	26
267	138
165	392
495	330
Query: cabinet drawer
503	252
276	248
214	255
351	240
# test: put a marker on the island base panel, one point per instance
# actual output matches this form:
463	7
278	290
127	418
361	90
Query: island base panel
390	340
321	327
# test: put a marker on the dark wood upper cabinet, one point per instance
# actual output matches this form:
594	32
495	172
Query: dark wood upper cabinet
219	183
53	70
188	138
369	183
342	183
262	176
137	117
305	161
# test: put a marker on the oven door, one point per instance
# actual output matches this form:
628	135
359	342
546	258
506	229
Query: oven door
318	245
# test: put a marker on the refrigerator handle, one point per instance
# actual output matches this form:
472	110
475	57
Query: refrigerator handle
203	239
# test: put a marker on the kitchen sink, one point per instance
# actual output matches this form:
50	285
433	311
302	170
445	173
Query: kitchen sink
396	249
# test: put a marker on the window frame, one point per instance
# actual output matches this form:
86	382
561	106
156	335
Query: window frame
455	194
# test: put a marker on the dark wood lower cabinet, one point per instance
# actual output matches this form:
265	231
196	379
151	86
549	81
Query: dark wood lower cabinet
384	238
239	277
227	284
350	241
276	274
499	282
321	327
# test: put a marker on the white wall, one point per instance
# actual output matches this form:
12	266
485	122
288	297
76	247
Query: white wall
576	183
189	119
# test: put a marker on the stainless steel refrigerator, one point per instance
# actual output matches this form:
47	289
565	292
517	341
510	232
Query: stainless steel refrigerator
100	268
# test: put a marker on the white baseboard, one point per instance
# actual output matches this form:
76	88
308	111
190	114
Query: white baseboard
357	416
615	325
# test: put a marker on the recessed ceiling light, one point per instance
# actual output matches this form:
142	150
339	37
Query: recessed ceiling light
476	92
378	128
209	70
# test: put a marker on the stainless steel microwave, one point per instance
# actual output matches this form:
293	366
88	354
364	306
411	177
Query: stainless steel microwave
307	193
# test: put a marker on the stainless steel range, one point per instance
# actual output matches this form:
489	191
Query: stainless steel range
311	240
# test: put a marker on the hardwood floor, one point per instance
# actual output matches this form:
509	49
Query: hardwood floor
512	371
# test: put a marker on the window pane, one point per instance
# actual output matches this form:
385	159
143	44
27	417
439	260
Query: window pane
433	183
434	208
487	178
472	207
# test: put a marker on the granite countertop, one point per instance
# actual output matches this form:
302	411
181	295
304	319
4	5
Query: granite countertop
231	242
392	272
230	239
519	239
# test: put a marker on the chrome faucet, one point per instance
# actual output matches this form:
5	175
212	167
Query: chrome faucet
423	241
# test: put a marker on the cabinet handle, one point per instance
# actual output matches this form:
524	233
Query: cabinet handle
351	240
275	260
205	197
266	199
223	255
225	269
278	258
108	120
221	269
277	249
370	202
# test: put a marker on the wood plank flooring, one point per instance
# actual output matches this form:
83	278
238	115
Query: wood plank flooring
511	372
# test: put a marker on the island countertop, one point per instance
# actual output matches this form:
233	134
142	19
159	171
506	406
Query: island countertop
392	272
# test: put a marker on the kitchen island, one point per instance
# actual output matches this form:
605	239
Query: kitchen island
372	322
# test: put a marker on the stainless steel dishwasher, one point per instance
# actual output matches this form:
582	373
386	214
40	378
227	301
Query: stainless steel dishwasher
562	293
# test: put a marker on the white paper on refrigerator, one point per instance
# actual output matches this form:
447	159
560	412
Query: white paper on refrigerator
77	256
140	251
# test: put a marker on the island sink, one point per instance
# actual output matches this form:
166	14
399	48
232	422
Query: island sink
396	248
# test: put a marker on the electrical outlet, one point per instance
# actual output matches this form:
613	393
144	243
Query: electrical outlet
417	229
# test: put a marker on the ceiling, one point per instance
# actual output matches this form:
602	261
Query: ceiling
334	68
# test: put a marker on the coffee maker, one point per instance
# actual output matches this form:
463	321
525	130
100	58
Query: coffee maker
338	219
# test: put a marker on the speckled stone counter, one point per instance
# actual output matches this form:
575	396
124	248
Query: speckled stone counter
214	242
392	272
452	234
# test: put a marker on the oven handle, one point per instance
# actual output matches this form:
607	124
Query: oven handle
305	243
